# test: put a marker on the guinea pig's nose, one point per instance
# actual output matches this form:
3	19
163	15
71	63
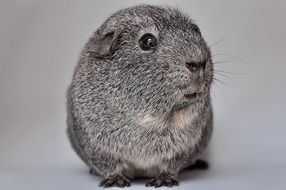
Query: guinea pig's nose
196	66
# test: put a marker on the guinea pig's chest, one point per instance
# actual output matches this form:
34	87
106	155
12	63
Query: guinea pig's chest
182	136
181	119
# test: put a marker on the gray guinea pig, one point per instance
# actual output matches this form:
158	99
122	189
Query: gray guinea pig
139	102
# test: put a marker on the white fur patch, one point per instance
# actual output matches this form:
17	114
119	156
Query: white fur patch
148	165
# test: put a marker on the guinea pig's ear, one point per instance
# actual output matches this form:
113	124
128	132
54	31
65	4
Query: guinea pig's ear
103	45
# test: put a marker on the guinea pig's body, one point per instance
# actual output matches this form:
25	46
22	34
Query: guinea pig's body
139	103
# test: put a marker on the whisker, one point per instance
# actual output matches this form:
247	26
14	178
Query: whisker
225	76
225	55
227	72
217	42
219	81
227	61
220	90
212	90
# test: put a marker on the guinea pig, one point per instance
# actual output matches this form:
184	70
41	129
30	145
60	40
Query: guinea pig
139	102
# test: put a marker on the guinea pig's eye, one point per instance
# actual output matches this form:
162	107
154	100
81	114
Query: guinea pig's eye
147	42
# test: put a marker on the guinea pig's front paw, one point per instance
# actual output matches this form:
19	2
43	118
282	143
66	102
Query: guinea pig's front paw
115	180
92	172
164	179
199	165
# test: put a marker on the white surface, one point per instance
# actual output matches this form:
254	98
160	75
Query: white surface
39	46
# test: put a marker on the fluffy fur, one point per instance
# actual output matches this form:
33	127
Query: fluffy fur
128	114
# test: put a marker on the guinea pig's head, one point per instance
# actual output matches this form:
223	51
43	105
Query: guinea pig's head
155	57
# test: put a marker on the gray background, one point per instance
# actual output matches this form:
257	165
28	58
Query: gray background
40	43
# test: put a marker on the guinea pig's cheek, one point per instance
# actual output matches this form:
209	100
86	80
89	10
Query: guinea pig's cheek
152	121
182	118
208	78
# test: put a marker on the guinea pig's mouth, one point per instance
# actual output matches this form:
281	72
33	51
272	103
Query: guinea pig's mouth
192	95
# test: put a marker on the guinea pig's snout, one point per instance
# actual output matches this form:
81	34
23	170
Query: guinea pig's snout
197	75
196	66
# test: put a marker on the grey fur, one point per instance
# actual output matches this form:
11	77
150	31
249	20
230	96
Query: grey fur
127	113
